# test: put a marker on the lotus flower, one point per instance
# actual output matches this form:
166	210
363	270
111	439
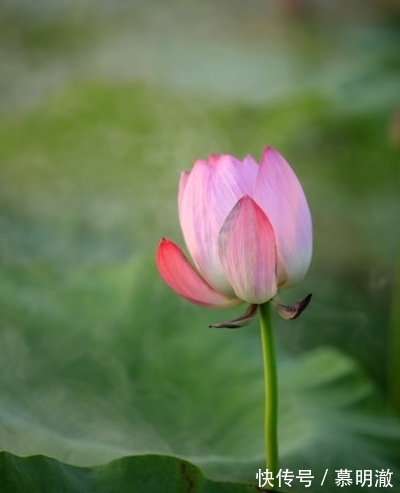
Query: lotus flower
247	227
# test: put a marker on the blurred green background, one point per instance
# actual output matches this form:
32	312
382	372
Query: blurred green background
102	105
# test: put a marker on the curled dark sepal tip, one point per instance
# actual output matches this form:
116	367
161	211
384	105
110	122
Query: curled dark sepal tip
291	312
241	321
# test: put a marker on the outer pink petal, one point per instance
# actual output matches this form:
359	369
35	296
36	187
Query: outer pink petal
280	195
205	199
248	252
182	186
176	271
230	180
197	224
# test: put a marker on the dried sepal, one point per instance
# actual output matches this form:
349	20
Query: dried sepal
239	322
291	312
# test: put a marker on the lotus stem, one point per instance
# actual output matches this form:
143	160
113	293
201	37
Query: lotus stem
271	390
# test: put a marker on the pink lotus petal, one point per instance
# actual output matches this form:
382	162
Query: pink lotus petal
213	158
177	272
248	252
182	186
206	197
281	197
230	180
196	226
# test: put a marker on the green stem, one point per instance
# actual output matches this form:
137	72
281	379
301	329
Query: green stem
271	389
